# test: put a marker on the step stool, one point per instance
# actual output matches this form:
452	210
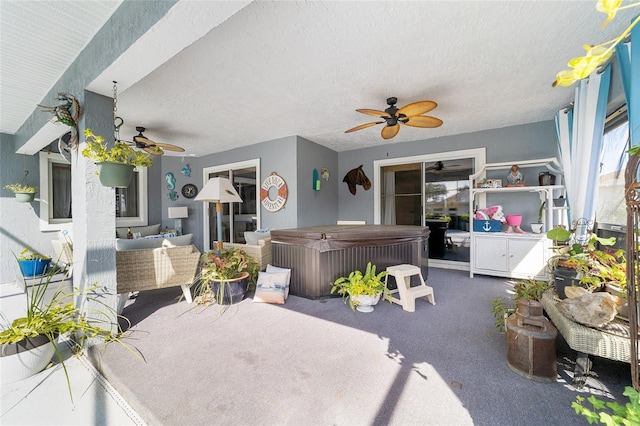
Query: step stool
408	294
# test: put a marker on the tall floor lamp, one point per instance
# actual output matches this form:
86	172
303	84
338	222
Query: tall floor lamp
218	190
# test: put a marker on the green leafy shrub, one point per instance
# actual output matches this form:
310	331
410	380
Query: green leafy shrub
610	413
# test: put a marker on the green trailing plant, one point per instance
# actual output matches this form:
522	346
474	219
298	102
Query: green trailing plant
21	188
594	267
222	266
28	254
523	289
56	315
610	413
121	152
358	284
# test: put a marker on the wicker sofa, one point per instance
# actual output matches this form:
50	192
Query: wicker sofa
261	252
148	269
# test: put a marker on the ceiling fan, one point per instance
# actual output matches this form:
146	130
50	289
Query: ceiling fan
410	115
439	166
154	148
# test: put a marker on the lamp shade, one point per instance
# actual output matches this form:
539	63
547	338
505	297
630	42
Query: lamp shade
178	212
218	190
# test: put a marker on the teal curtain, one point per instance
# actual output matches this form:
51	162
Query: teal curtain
629	61
579	131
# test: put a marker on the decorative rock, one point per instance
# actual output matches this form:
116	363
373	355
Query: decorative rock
591	309
573	291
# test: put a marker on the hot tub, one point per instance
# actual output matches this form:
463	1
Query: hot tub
318	255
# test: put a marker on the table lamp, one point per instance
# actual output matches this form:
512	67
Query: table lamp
218	190
178	213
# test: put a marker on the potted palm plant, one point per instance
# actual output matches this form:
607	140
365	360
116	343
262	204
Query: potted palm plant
536	227
24	193
225	276
362	291
28	343
115	165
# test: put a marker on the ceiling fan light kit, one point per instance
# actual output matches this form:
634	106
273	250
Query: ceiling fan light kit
409	115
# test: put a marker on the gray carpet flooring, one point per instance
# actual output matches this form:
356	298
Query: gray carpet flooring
315	362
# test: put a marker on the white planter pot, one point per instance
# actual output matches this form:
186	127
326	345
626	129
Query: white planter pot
20	361
536	228
365	303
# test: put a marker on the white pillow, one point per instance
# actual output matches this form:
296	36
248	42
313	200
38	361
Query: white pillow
143	230
271	268
270	287
181	240
123	244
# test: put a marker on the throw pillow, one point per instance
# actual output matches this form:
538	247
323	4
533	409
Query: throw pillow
271	268
123	244
590	309
182	240
252	237
143	230
270	287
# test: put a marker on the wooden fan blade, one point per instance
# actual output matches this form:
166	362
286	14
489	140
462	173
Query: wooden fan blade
417	108
142	139
169	147
424	121
153	150
363	126
375	113
390	131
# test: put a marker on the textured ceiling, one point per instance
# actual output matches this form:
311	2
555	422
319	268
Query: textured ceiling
38	42
275	69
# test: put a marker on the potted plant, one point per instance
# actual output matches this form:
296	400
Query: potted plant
362	291
536	227
523	289
225	276
28	343
32	264
115	165
23	193
586	265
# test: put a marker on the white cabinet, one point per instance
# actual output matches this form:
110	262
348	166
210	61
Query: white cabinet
510	255
514	255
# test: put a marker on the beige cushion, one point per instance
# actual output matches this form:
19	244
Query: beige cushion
270	287
143	230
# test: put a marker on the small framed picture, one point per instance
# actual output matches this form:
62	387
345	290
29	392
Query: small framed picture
493	183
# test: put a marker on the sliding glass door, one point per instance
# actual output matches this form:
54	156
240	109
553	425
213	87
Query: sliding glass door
236	217
430	190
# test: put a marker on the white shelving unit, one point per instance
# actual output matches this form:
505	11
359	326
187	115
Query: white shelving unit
510	254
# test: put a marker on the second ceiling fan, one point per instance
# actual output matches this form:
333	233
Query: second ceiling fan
154	148
409	115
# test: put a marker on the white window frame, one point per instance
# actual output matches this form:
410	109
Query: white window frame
47	223
143	209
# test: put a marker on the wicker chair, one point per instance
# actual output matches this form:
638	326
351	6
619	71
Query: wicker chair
261	252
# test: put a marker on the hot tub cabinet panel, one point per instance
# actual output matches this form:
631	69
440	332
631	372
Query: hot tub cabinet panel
319	255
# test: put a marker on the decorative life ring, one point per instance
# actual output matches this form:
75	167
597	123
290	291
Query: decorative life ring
273	181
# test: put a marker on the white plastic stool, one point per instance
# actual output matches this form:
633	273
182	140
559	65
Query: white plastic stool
408	294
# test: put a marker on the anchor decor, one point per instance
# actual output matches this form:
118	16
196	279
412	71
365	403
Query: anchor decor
487	226
68	111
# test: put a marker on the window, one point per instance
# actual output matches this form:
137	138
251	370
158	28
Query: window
56	196
610	205
55	192
611	213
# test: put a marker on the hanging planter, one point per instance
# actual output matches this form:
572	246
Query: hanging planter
115	165
23	193
115	175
